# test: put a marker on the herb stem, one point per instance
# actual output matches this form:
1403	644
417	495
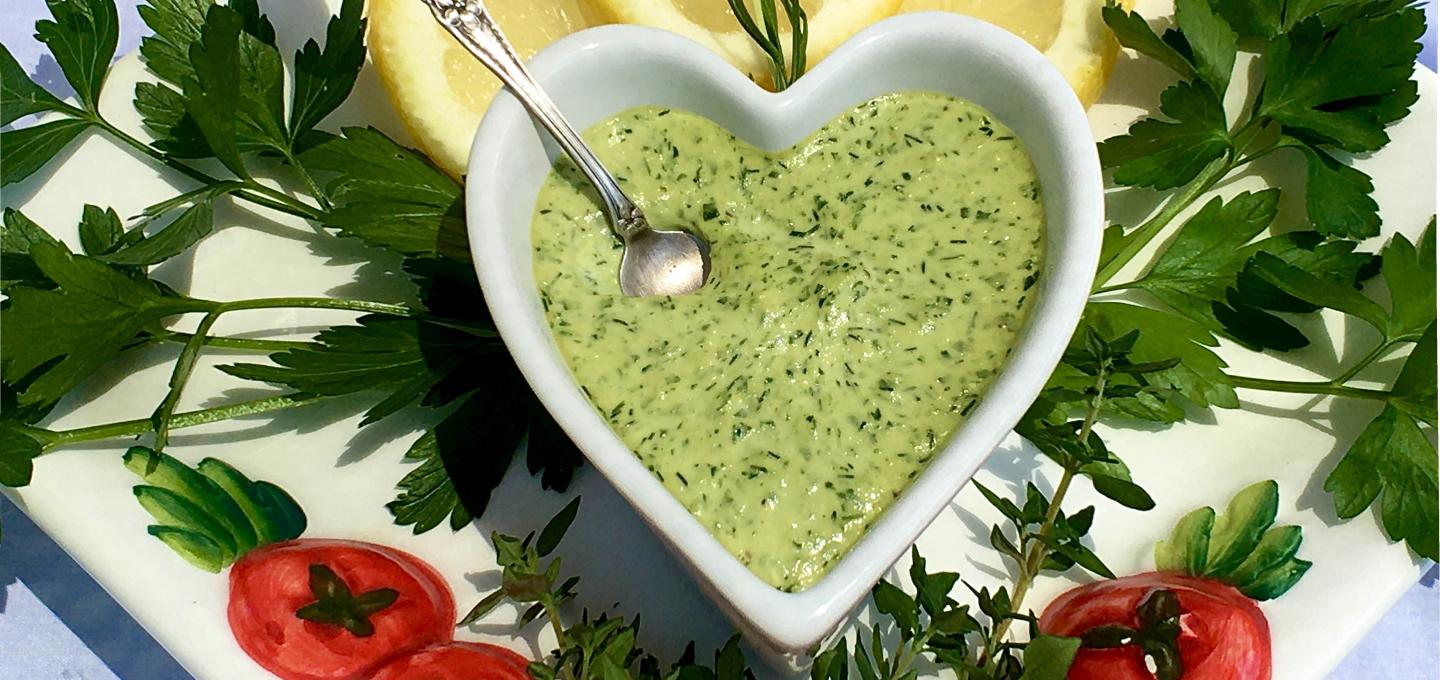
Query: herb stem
317	303
1115	287
1364	363
1037	551
222	342
184	366
1308	387
552	612
1252	157
254	192
1135	241
907	657
309	180
139	426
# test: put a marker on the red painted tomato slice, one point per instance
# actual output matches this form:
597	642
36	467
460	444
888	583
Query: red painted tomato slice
1224	636
269	585
456	661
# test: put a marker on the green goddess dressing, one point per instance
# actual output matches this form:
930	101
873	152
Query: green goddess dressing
867	285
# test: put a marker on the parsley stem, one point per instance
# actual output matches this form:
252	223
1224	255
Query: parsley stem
316	303
1308	387
309	180
1363	363
1115	287
139	426
180	375
185	364
254	192
1135	241
222	342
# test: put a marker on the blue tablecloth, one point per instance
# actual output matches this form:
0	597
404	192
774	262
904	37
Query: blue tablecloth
56	623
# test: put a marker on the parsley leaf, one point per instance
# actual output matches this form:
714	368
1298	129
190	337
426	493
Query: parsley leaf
1414	389
403	358
1317	291
212	90
454	478
549	452
136	249
1337	196
1253	18
17	454
1393	461
1202	261
1211	40
1342	85
261	113
1164	155
324	78
1331	260
67	333
100	229
82	38
18	235
1132	31
20	96
29	149
162	110
1244	313
174	27
390	196
1410	275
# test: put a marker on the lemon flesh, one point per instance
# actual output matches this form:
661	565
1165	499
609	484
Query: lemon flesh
438	88
1071	33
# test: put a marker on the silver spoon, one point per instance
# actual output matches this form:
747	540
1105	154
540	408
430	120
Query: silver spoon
654	262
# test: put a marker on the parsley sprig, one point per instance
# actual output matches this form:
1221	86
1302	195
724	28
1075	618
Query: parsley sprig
1333	77
219	101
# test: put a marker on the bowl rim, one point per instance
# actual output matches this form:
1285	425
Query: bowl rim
787	622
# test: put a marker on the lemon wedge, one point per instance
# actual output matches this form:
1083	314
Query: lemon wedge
438	88
1071	33
441	92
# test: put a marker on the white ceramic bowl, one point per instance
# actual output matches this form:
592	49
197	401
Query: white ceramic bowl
597	73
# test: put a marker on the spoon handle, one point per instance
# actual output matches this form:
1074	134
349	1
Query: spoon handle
472	25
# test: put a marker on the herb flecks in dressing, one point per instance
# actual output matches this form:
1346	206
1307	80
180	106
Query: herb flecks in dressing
868	284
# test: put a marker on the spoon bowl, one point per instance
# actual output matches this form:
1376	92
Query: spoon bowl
664	263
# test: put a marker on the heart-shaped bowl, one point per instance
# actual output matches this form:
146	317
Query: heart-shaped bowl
597	73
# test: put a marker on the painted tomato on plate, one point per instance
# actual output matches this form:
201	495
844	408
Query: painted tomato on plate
456	661
1217	632
315	609
1196	617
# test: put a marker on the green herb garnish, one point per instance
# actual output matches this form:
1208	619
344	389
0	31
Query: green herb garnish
220	96
783	71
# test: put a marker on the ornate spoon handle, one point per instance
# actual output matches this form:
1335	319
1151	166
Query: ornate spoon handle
472	25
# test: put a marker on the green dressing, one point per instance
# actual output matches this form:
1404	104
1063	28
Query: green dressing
868	284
